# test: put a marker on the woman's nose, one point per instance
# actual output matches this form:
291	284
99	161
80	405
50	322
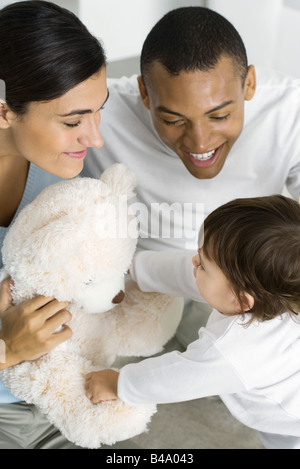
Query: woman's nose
92	136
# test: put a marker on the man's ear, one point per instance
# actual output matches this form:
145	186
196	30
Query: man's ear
4	115
250	83
143	92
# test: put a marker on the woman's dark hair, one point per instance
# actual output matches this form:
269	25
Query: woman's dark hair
256	243
45	51
190	39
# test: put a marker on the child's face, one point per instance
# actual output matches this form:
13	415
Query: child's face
214	286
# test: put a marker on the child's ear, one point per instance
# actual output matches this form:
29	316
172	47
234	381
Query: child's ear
247	301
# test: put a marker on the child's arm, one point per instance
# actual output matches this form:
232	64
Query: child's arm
102	386
169	272
201	371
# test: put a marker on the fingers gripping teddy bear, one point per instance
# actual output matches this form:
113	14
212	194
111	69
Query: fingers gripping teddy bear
75	242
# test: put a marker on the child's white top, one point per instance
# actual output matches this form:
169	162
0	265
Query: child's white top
255	370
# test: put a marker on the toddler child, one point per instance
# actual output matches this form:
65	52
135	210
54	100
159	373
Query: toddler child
248	269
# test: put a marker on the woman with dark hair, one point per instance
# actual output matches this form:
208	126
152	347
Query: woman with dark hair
54	73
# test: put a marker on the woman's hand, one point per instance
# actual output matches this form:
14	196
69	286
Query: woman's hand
102	386
28	330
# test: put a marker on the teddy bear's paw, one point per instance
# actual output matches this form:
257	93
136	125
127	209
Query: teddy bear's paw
55	384
146	321
88	425
20	380
91	426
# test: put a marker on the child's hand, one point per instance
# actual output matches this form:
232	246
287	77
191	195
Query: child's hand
102	386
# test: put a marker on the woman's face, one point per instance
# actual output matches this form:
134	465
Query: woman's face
55	135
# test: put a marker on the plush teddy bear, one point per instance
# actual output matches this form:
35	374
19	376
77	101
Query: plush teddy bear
75	242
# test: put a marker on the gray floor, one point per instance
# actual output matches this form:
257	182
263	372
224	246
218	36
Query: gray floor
199	424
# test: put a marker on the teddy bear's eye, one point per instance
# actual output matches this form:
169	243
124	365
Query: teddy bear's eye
89	282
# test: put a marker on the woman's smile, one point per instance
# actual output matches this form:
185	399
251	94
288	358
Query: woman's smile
78	154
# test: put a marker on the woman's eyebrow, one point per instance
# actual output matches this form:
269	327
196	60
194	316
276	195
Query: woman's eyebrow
80	112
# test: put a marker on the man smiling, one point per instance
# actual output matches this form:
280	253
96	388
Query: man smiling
199	126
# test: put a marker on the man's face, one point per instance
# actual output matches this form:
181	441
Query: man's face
199	115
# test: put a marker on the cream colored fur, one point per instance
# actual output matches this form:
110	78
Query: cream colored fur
75	242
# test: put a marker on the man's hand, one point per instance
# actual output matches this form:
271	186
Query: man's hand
102	386
28	330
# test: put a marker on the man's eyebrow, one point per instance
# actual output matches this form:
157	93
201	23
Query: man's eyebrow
169	111
220	106
80	112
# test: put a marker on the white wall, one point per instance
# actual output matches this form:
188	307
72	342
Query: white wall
3	3
288	39
124	24
269	28
70	4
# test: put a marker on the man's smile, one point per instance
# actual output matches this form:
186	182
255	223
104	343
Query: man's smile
204	160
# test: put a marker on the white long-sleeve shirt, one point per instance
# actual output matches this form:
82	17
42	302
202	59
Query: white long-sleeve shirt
169	272
255	369
171	203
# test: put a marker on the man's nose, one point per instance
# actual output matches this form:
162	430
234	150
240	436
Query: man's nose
198	138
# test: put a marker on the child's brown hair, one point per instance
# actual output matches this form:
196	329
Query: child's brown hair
256	243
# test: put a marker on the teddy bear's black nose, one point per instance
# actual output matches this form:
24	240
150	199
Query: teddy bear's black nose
118	298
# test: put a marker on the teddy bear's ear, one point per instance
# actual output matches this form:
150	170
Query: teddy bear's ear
120	179
56	242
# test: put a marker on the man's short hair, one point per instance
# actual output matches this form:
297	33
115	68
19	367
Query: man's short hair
190	39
